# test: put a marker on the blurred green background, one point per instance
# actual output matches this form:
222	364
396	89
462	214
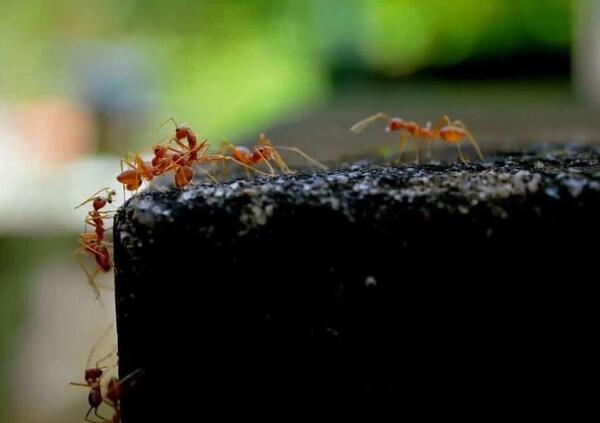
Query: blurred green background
84	82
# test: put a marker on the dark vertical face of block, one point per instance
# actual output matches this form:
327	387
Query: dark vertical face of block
435	282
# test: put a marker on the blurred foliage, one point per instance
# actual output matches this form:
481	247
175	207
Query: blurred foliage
13	288
401	36
18	256
236	65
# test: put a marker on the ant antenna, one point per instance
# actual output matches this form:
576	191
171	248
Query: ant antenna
97	343
171	119
357	127
303	154
108	191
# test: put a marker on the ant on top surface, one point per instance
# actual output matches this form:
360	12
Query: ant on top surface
181	159
450	132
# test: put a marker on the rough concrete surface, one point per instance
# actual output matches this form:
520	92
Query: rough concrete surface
417	284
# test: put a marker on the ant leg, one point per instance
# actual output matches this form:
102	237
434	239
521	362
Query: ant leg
105	287
90	278
443	121
282	166
135	373
460	154
104	419
174	150
207	173
179	143
87	419
403	139
248	167
94	195
83	385
226	146
470	138
123	186
429	140
416	143
359	126
303	154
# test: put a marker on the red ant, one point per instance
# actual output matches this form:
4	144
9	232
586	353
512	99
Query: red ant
195	154
184	132
448	131
265	152
93	378
182	162
115	391
93	243
139	171
165	159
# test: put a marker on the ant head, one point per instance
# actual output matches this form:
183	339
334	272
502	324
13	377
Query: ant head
182	131
100	202
93	374
265	151
110	195
394	124
159	150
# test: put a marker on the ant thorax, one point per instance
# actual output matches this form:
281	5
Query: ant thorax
242	154
412	127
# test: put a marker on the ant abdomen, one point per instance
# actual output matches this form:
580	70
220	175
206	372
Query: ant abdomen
95	395
103	259
452	134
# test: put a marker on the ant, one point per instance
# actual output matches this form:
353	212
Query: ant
265	152
182	162
93	378
165	159
184	132
93	243
451	132
115	392
195	153
139	171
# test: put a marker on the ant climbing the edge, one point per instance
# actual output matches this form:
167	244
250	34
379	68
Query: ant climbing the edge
92	243
116	389
93	378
